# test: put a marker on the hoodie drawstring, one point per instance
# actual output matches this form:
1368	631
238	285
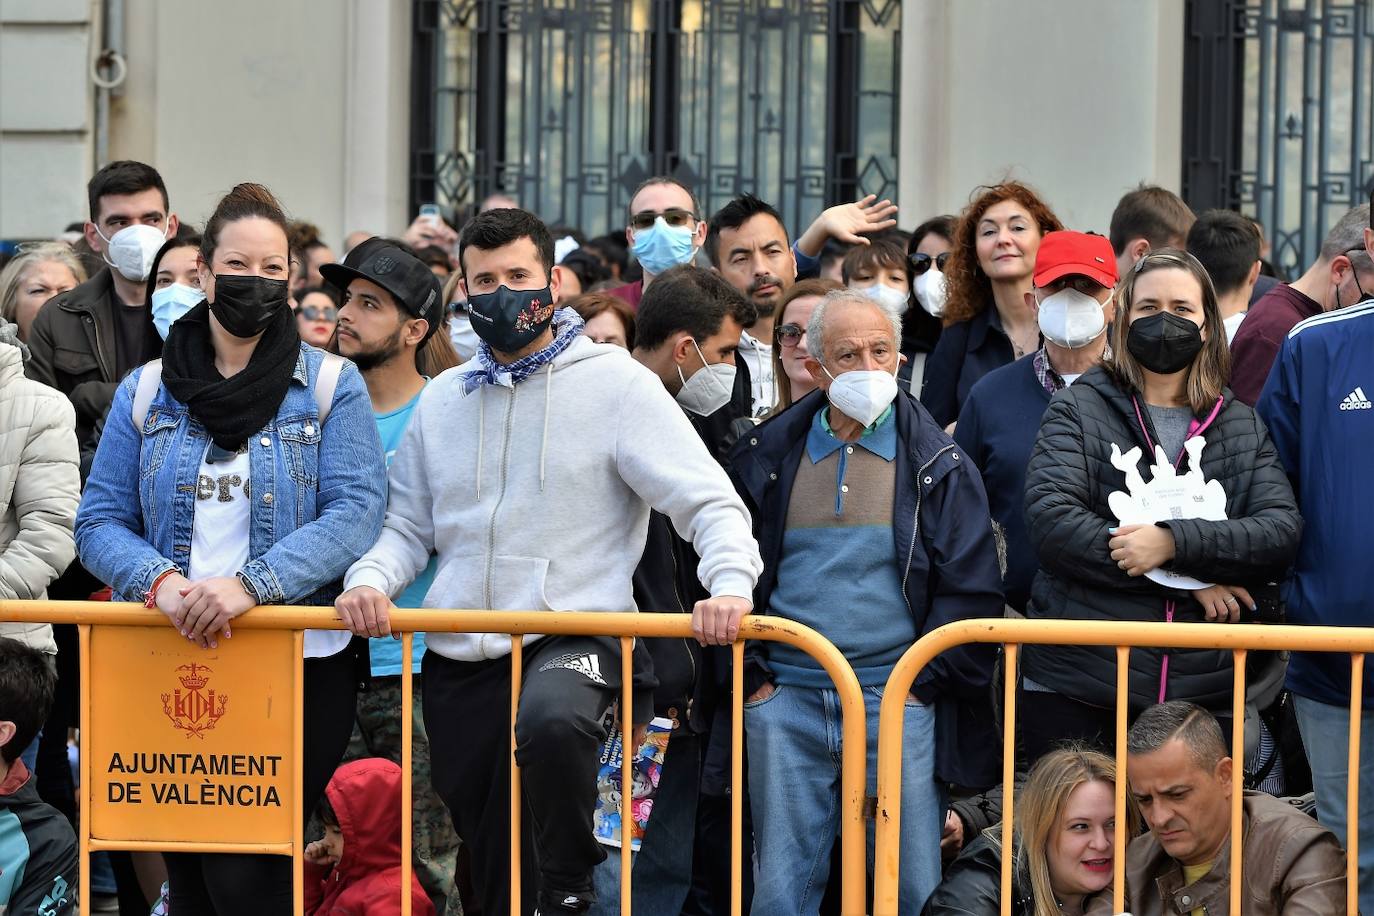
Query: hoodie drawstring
481	432
544	440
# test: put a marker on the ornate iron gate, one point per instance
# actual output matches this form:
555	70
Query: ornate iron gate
1279	115
566	105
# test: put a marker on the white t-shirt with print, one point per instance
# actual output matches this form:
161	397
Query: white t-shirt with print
219	535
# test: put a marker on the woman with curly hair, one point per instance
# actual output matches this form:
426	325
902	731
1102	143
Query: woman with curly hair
987	322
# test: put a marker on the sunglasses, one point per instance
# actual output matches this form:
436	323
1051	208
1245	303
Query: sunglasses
673	216
318	313
789	335
920	262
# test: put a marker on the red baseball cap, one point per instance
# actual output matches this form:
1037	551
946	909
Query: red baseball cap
1067	253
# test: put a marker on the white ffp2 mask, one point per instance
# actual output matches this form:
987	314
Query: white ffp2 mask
862	394
1070	318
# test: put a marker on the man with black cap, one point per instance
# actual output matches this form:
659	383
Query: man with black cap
392	306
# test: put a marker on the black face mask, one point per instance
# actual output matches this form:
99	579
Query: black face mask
245	306
1164	343
510	319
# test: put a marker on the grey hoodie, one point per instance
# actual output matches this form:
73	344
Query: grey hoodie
537	497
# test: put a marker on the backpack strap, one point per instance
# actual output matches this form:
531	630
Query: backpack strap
325	384
149	381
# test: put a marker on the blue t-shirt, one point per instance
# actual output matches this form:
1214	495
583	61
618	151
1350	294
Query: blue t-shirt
386	652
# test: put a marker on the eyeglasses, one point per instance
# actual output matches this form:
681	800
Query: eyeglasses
789	335
673	216
457	308
920	262
1085	285
318	313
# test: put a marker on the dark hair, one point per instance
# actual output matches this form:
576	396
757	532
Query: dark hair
589	305
177	241
876	255
1194	726
969	289
329	290
497	228
303	236
1228	245
733	215
26	688
433	255
124	176
587	267
560	231
325	812
943	226
1152	213
691	299
611	248
663	179
245	201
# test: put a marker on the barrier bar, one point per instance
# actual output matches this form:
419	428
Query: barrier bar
737	780
518	623
83	816
1123	684
1237	772
1253	637
297	774
1009	664
1352	786
407	776
628	752
517	677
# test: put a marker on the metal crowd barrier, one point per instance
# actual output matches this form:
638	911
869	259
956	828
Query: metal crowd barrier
1013	633
88	615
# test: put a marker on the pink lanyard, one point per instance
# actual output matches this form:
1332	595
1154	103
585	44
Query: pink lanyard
1194	428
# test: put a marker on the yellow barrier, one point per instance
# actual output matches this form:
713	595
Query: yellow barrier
1123	636
627	627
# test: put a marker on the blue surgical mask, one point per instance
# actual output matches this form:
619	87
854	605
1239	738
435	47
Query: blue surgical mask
170	303
661	246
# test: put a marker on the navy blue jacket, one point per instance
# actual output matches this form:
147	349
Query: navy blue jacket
967	351
997	429
953	576
1319	407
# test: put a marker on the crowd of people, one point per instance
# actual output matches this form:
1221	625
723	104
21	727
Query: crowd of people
870	431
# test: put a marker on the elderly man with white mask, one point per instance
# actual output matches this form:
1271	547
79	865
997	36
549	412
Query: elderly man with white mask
875	531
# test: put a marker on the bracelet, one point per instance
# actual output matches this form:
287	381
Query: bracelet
247	585
150	596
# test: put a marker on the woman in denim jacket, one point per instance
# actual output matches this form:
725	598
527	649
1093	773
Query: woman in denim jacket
233	493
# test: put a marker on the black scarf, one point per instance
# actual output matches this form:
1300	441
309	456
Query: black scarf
234	408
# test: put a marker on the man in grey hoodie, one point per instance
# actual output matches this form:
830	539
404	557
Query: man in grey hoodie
531	471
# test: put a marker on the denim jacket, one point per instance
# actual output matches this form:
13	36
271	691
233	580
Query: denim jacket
318	495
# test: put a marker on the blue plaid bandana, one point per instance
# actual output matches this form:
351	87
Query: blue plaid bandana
567	324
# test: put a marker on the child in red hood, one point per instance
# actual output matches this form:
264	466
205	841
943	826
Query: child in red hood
356	869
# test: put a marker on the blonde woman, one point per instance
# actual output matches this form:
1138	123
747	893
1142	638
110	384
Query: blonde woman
36	274
1065	826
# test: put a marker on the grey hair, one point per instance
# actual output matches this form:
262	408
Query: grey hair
1346	235
1197	728
815	328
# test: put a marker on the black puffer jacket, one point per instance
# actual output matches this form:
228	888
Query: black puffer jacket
1067	484
972	885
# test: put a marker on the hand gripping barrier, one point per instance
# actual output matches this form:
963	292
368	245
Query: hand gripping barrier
1239	638
97	620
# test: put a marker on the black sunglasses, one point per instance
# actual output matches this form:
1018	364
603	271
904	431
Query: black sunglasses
318	313
673	216
920	262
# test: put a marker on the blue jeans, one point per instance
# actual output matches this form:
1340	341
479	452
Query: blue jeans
794	741
663	866
1326	737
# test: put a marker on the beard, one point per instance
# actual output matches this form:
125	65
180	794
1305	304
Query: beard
368	358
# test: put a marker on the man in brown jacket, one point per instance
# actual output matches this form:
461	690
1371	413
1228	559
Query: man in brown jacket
1181	777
